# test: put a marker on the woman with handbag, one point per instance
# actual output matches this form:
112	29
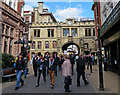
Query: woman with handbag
67	73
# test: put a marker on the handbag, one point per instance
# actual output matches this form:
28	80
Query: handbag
68	80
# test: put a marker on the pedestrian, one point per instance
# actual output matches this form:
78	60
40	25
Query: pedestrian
61	60
34	62
89	63
19	68
105	63
67	73
93	59
72	61
80	70
46	59
26	68
51	67
56	62
41	69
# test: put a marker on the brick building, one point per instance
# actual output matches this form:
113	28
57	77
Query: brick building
12	23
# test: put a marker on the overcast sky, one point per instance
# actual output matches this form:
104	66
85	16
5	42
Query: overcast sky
62	10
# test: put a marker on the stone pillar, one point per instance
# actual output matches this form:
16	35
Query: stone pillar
91	31
8	40
70	32
3	39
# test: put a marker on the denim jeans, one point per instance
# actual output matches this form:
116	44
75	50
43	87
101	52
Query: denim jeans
18	75
25	72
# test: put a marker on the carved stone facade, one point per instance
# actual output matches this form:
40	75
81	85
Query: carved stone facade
48	35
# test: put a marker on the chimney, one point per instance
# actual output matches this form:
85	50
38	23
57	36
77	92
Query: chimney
40	7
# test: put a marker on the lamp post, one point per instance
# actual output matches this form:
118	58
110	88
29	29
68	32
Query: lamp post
101	86
23	43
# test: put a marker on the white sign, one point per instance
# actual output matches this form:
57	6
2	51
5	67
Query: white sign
65	52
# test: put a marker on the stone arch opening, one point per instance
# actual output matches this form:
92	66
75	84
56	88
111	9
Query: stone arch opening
66	45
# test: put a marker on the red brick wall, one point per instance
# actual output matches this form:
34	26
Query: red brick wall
20	3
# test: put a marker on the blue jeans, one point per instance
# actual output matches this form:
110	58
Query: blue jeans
18	75
25	72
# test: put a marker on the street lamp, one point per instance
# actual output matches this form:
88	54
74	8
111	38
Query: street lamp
23	42
99	52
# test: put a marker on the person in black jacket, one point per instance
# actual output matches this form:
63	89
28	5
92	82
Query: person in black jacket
20	66
41	69
34	62
89	63
81	70
72	62
56	62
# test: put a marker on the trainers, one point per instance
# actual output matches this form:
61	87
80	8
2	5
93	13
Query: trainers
37	85
86	83
16	88
44	82
52	86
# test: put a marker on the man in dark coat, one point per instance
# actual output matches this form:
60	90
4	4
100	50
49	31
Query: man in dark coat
81	71
72	62
89	63
41	69
34	62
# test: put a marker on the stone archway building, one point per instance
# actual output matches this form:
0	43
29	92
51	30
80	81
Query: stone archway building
48	35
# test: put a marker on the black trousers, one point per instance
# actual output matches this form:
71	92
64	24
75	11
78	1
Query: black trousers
89	64
72	68
66	86
79	74
35	70
39	75
105	66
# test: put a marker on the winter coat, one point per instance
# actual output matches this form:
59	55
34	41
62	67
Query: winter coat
67	68
80	65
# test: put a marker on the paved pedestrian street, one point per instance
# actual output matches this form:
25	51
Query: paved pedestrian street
110	84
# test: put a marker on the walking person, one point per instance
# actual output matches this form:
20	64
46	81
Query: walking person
34	62
19	68
105	63
93	59
26	68
67	73
72	62
61	60
89	63
41	69
46	59
56	62
80	71
51	67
